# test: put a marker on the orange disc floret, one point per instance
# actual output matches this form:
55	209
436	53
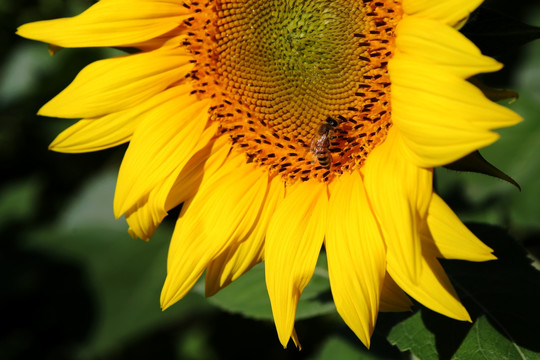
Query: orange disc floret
301	87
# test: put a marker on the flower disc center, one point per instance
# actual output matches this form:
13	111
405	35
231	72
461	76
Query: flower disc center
301	86
294	63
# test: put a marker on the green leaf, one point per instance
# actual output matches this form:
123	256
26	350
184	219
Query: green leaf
501	296
504	291
248	296
413	335
428	335
494	94
496	33
475	162
484	342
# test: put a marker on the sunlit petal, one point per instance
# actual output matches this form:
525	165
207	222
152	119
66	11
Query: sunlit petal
356	256
204	231
293	242
110	23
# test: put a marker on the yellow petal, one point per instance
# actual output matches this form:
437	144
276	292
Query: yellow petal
437	43
145	216
203	166
115	84
293	243
89	135
165	138
110	23
448	11
429	86
295	340
241	257
393	299
440	116
399	193
451	238
356	256
222	212
112	129
433	288
427	152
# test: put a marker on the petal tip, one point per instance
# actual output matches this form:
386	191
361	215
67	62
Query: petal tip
166	300
45	110
24	31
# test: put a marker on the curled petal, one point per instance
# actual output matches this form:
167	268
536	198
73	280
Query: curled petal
433	288
450	237
242	256
399	193
162	142
393	299
223	212
145	216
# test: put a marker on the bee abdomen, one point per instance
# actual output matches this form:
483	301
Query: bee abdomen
325	160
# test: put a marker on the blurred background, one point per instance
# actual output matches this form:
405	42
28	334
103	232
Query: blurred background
76	286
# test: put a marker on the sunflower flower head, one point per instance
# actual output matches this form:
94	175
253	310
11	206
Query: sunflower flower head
283	126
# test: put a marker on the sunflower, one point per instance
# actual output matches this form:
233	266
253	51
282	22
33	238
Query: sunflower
286	126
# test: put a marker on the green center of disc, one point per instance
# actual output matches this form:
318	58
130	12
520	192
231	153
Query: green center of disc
293	63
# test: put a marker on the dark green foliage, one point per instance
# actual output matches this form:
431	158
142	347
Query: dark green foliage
496	32
501	297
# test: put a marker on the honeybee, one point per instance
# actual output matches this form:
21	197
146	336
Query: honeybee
321	142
